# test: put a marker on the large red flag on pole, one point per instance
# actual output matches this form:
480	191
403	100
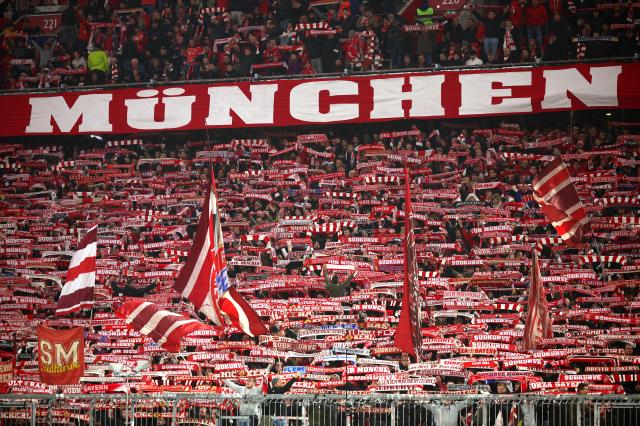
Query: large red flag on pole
204	279
408	336
538	324
194	281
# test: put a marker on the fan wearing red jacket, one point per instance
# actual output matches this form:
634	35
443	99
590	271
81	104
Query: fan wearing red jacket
535	17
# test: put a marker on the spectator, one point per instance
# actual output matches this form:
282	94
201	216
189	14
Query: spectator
208	71
453	30
535	17
473	59
553	51
247	59
470	32
395	43
407	62
78	61
68	33
250	409
627	45
492	24
135	72
510	38
98	64
516	16
45	53
293	65
561	30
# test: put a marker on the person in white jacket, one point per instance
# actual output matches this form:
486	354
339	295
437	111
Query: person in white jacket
247	408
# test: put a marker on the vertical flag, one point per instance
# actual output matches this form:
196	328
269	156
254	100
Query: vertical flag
204	279
409	334
77	292
554	190
538	324
60	355
194	281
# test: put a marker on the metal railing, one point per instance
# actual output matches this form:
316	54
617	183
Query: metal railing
321	410
85	88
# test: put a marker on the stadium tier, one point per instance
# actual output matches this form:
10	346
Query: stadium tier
80	42
373	227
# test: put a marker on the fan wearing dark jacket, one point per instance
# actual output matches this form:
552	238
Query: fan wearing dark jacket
282	408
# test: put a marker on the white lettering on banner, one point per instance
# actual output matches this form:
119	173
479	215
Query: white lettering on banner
177	109
425	96
478	93
93	109
305	101
601	91
323	101
256	110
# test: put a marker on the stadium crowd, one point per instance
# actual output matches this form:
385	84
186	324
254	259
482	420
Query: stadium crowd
312	230
147	40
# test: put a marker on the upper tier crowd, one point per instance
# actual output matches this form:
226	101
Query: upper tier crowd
135	41
313	239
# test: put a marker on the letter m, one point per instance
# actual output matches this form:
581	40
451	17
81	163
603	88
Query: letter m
64	357
91	110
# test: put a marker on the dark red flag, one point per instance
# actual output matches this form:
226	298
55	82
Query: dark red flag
408	336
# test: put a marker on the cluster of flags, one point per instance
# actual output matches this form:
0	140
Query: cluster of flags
205	283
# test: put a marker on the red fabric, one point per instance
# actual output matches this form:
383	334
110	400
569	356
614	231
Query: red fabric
242	316
555	6
535	16
515	14
164	327
60	355
408	335
272	54
192	54
538	324
18	108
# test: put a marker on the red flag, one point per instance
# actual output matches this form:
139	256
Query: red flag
554	190
164	327
60	355
408	336
204	279
195	279
538	324
77	292
240	314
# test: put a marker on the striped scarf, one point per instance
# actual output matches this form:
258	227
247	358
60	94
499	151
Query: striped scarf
509	43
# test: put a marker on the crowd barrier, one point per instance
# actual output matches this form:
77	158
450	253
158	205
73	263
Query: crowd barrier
349	72
320	410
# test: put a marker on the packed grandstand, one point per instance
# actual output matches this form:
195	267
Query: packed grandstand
297	224
313	240
91	42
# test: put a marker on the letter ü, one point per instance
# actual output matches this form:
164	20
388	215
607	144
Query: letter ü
177	109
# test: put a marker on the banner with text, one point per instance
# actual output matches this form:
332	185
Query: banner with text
7	365
60	355
356	99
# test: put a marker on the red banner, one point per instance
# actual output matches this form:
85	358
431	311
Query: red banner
6	370
373	98
60	355
47	23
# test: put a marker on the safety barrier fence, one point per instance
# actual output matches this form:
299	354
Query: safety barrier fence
351	72
320	410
